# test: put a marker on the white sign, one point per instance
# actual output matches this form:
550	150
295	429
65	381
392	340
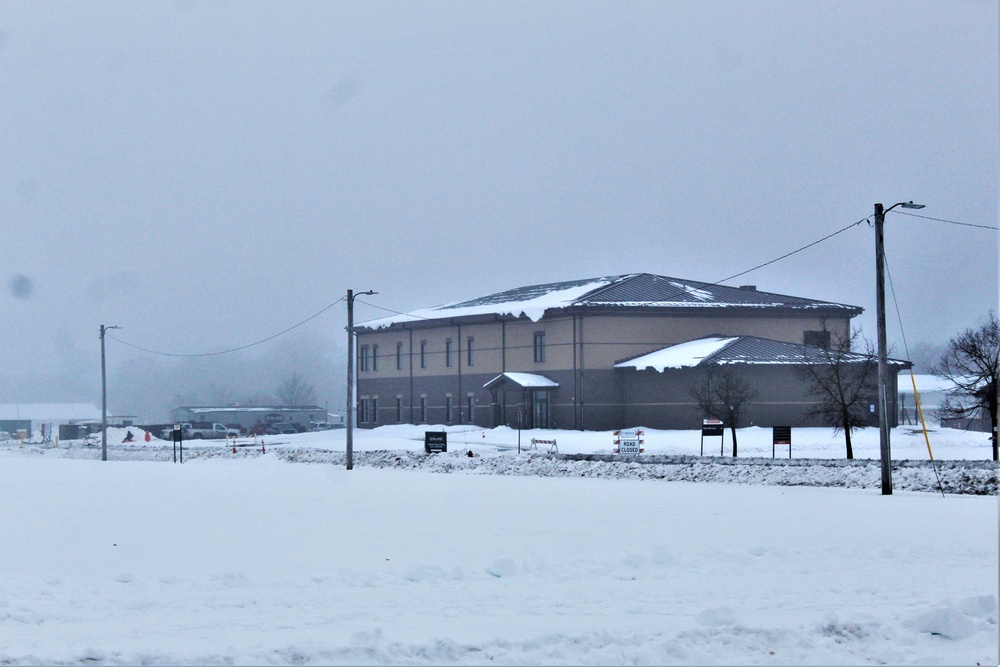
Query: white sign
628	441
628	447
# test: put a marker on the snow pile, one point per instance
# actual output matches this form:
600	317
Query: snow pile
119	434
961	456
965	477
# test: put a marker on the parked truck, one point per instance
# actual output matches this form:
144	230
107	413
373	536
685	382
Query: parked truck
202	431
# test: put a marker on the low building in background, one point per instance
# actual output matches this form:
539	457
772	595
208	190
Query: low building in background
932	391
46	420
247	416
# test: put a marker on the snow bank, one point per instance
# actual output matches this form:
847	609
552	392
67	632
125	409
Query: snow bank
962	477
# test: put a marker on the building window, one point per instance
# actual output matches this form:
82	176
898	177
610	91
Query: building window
539	346
362	410
399	409
470	409
816	338
399	356
374	414
363	357
447	353
374	358
447	409
468	351
423	354
423	409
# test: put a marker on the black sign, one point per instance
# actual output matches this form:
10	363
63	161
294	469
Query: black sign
712	429
781	435
178	441
435	441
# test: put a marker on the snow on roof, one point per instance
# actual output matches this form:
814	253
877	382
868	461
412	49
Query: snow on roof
637	290
683	355
49	411
739	350
531	302
525	380
253	408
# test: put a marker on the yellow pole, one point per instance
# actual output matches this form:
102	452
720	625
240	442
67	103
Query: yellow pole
920	411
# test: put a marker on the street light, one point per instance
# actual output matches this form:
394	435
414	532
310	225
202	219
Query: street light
104	399
349	457
883	364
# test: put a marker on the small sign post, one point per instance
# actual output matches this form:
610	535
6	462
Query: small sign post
782	435
713	427
178	440
435	441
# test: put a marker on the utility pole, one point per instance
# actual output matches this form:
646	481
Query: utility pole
104	399
350	375
883	362
883	422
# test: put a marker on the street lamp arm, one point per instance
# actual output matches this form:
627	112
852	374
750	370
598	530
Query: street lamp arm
904	204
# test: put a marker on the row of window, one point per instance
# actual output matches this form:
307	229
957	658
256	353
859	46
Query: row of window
368	410
368	356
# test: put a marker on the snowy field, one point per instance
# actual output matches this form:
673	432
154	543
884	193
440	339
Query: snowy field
261	558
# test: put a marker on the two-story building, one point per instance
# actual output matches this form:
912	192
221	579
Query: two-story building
556	355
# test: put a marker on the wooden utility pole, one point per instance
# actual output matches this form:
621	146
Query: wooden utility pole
104	399
883	362
349	457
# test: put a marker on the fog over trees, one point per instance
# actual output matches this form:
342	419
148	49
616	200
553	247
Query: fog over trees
149	386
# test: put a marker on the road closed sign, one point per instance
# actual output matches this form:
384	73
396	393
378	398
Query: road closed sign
628	441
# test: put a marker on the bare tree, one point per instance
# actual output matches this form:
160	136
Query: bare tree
296	391
971	364
722	394
843	382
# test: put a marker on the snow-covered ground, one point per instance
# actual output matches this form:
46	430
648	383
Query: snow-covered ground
262	558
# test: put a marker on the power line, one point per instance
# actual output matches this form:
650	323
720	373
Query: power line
789	254
235	349
395	312
950	222
680	291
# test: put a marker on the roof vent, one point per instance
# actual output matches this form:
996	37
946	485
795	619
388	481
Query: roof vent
749	288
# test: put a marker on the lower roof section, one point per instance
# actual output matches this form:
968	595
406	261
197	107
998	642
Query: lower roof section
741	350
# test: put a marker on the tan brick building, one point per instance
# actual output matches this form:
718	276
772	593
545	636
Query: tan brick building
545	356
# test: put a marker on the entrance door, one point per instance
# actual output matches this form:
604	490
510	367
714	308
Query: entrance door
540	408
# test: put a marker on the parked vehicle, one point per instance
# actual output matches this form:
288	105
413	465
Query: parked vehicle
168	433
260	428
284	429
324	426
202	431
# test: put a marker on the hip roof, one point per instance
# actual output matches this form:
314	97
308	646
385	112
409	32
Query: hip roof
635	291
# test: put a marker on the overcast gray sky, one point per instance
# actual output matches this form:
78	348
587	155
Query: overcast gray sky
207	173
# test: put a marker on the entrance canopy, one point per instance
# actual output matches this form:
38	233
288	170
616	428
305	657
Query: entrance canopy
521	381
